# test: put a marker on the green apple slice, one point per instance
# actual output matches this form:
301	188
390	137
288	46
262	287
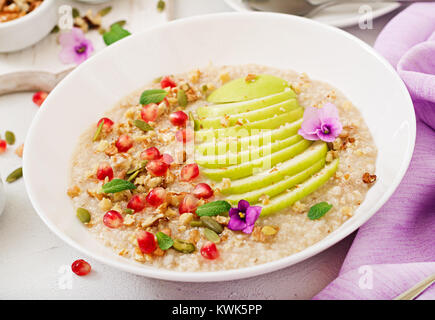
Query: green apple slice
291	167
286	199
222	146
240	107
277	188
242	90
246	154
248	168
256	115
246	129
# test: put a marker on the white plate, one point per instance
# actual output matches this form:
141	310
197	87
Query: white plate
231	38
340	15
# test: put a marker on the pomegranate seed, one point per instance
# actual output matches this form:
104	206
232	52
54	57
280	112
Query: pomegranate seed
81	267
184	135
202	190
104	170
209	251
136	203
124	143
188	204
150	154
107	124
157	167
189	172
113	219
39	97
167	158
146	241
156	196
3	146
178	118
149	112
167	82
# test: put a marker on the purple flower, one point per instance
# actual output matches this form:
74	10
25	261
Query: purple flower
75	47
243	217
321	123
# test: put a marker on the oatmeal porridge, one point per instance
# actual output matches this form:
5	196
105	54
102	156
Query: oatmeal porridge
222	168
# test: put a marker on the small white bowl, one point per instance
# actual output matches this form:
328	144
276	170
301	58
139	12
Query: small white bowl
278	40
23	32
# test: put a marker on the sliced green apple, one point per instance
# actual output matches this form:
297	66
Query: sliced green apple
264	163
222	146
246	129
286	199
255	115
239	107
289	168
277	188
245	154
242	89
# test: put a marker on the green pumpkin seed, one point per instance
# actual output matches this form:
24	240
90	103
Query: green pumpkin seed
75	13
15	175
183	246
142	125
83	215
182	98
128	211
10	137
105	11
196	223
212	224
161	5
97	133
121	23
268	230
211	235
133	176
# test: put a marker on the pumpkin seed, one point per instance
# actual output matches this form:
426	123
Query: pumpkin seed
134	175
182	98
15	175
97	133
75	13
10	137
83	215
211	235
142	125
120	23
105	11
183	246
196	223
161	5
128	211
212	224
268	230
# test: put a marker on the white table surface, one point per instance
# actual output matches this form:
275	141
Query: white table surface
34	263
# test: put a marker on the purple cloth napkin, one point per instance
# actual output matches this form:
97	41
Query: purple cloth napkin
395	249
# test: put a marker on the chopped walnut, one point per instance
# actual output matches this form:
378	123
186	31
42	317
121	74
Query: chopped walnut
258	235
111	150
224	77
19	150
138	255
264	198
194	236
129	220
105	204
299	207
251	77
226	183
159	252
194	76
150	220
185	218
222	220
225	121
368	178
73	192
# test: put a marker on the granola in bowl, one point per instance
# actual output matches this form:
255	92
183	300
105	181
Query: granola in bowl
14	9
151	181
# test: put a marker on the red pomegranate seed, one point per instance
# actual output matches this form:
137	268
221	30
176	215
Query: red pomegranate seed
146	241
202	190
189	204
157	167
104	170
189	172
39	97
167	158
178	118
167	82
184	135
107	124
156	196
124	143
209	251
81	267
137	203
149	112
113	219
3	146
150	154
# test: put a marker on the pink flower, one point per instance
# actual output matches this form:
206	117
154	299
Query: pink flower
321	123
243	217
75	47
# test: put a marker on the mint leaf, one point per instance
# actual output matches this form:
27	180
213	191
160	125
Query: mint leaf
117	185
319	210
116	33
142	125
152	96
164	241
213	208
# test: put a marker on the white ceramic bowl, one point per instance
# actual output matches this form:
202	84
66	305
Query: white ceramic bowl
271	39
25	31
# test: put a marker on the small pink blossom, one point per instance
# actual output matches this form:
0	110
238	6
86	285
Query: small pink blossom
321	123
243	217
75	47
